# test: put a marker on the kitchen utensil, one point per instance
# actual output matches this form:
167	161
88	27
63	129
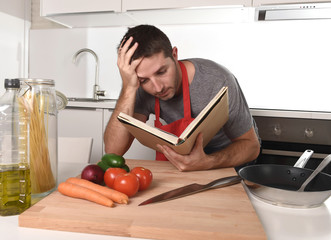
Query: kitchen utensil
279	184
191	189
320	167
302	161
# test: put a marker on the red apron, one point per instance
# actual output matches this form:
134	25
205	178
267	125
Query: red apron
176	127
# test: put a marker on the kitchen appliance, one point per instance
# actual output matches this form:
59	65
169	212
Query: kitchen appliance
288	186
285	135
301	11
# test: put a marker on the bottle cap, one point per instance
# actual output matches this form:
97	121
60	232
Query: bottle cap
12	83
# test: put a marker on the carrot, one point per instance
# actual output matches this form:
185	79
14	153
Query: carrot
112	194
76	191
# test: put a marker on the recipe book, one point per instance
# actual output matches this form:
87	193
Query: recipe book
209	121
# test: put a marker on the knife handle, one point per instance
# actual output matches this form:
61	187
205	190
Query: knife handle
223	182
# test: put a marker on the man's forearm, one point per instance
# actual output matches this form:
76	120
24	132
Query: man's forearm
236	154
116	138
242	150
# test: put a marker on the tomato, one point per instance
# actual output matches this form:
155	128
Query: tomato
145	177
113	160
127	183
111	174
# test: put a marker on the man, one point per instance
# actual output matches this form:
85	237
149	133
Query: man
154	81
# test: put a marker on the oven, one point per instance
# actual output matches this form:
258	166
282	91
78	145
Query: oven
285	135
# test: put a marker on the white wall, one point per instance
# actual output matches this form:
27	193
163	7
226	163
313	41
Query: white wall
14	25
280	65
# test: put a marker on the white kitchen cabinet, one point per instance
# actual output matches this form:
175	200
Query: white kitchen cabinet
102	13
91	122
50	7
187	12
84	13
83	122
129	5
137	150
257	3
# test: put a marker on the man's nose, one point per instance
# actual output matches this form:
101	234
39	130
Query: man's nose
157	85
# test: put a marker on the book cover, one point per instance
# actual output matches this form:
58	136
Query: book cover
209	121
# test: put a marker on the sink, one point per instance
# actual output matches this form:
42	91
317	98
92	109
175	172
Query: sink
73	99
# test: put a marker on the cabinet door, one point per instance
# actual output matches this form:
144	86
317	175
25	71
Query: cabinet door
128	5
83	123
137	150
85	13
51	7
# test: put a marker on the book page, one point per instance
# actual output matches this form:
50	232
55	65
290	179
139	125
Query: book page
137	124
202	115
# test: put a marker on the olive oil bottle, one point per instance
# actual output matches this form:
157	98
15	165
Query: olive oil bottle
15	189
15	183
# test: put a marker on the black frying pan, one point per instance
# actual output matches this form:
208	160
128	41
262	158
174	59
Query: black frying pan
279	184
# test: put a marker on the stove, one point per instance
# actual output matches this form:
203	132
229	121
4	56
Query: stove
285	135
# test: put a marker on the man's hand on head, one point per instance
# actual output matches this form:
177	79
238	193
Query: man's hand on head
126	66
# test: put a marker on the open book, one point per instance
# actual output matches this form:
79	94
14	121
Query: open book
209	121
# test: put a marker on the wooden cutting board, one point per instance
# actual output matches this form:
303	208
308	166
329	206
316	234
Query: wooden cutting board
224	213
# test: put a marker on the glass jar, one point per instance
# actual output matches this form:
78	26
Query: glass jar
41	103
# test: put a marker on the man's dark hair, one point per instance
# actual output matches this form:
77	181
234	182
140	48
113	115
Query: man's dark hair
151	41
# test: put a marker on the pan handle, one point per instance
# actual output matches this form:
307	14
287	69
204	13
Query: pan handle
302	161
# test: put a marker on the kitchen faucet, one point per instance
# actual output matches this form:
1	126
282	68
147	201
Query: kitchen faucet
96	91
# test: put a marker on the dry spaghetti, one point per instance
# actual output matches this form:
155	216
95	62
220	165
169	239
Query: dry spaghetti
42	178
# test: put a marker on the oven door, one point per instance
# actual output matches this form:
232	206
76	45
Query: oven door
285	139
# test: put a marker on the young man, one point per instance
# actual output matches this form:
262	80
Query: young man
155	81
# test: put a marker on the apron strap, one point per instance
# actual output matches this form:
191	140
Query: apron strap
186	92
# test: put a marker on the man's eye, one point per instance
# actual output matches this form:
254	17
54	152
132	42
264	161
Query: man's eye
162	71
143	80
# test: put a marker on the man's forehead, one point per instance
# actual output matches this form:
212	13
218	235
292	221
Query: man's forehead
150	65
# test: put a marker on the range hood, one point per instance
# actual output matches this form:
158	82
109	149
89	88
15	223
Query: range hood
293	12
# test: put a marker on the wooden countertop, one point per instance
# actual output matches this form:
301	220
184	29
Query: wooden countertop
224	213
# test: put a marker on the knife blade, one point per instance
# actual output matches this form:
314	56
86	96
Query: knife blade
192	189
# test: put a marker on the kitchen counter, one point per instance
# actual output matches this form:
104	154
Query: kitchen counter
278	222
290	114
108	104
111	103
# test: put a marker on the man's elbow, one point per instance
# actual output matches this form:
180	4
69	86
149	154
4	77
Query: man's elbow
256	149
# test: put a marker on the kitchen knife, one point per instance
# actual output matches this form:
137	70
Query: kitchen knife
191	189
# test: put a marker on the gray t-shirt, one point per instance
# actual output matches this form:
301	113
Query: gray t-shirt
209	78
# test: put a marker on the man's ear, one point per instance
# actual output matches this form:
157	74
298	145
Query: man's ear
175	53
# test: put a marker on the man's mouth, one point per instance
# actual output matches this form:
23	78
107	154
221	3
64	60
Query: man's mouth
162	94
